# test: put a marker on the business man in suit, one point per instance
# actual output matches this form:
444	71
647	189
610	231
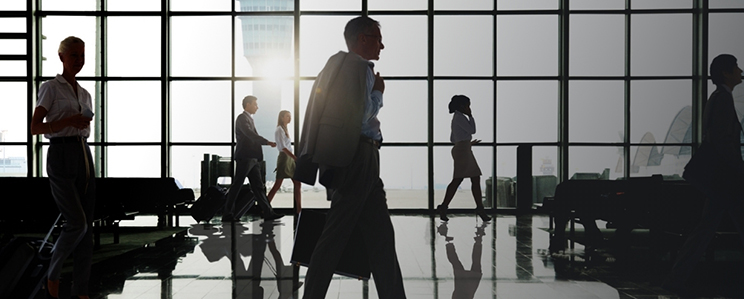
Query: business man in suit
246	158
341	138
724	191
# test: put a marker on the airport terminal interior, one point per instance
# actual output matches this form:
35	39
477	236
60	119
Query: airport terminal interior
606	95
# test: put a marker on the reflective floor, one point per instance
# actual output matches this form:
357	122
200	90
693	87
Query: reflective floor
462	258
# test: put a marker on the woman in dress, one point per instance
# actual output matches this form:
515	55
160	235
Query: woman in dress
285	163
63	114
463	128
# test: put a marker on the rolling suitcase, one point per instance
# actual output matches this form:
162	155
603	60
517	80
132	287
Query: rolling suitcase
244	202
353	263
208	204
24	262
213	201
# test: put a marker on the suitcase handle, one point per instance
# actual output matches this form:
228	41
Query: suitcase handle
50	232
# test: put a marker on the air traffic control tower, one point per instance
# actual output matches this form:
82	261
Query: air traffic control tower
267	40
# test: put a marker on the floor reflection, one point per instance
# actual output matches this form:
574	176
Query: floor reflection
466	281
265	273
461	258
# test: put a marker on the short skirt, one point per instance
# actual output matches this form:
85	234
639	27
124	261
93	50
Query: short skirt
285	166
465	164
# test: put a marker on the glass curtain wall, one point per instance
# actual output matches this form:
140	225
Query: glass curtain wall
604	90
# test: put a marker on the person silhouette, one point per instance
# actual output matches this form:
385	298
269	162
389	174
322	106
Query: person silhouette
220	242
285	163
721	180
247	156
341	138
67	108
463	128
466	281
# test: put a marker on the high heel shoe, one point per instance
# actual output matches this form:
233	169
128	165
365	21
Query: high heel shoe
52	287
482	214
442	210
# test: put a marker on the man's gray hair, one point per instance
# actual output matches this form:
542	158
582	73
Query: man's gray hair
249	99
356	26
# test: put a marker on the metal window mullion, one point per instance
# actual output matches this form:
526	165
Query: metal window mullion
165	89
32	56
700	63
626	93
430	100
296	79
563	77
494	149
232	84
430	133
100	72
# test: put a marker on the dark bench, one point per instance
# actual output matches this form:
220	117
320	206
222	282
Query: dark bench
668	209
118	199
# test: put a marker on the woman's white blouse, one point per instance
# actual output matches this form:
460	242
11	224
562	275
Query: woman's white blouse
463	127
282	141
60	101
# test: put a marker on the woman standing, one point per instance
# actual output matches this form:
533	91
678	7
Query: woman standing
463	128
66	107
285	163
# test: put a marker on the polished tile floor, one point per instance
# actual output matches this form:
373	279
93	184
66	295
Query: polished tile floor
462	258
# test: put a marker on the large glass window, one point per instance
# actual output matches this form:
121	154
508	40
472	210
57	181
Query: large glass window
592	163
200	46
626	89
403	116
399	60
597	45
57	28
596	111
443	173
527	111
133	50
721	28
13	5
463	46
133	110
654	107
661	45
133	161
480	93
530	51
200	111
321	37
403	171
13	125
13	160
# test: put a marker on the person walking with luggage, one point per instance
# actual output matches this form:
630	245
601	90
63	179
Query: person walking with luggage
463	128
63	114
247	156
341	138
285	163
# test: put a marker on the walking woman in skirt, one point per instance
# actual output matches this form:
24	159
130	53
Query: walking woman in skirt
285	164
463	128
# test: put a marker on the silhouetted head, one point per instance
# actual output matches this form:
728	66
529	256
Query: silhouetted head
363	37
71	52
457	102
721	66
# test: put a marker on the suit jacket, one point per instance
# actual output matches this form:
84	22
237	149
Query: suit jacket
333	119
721	128
247	138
